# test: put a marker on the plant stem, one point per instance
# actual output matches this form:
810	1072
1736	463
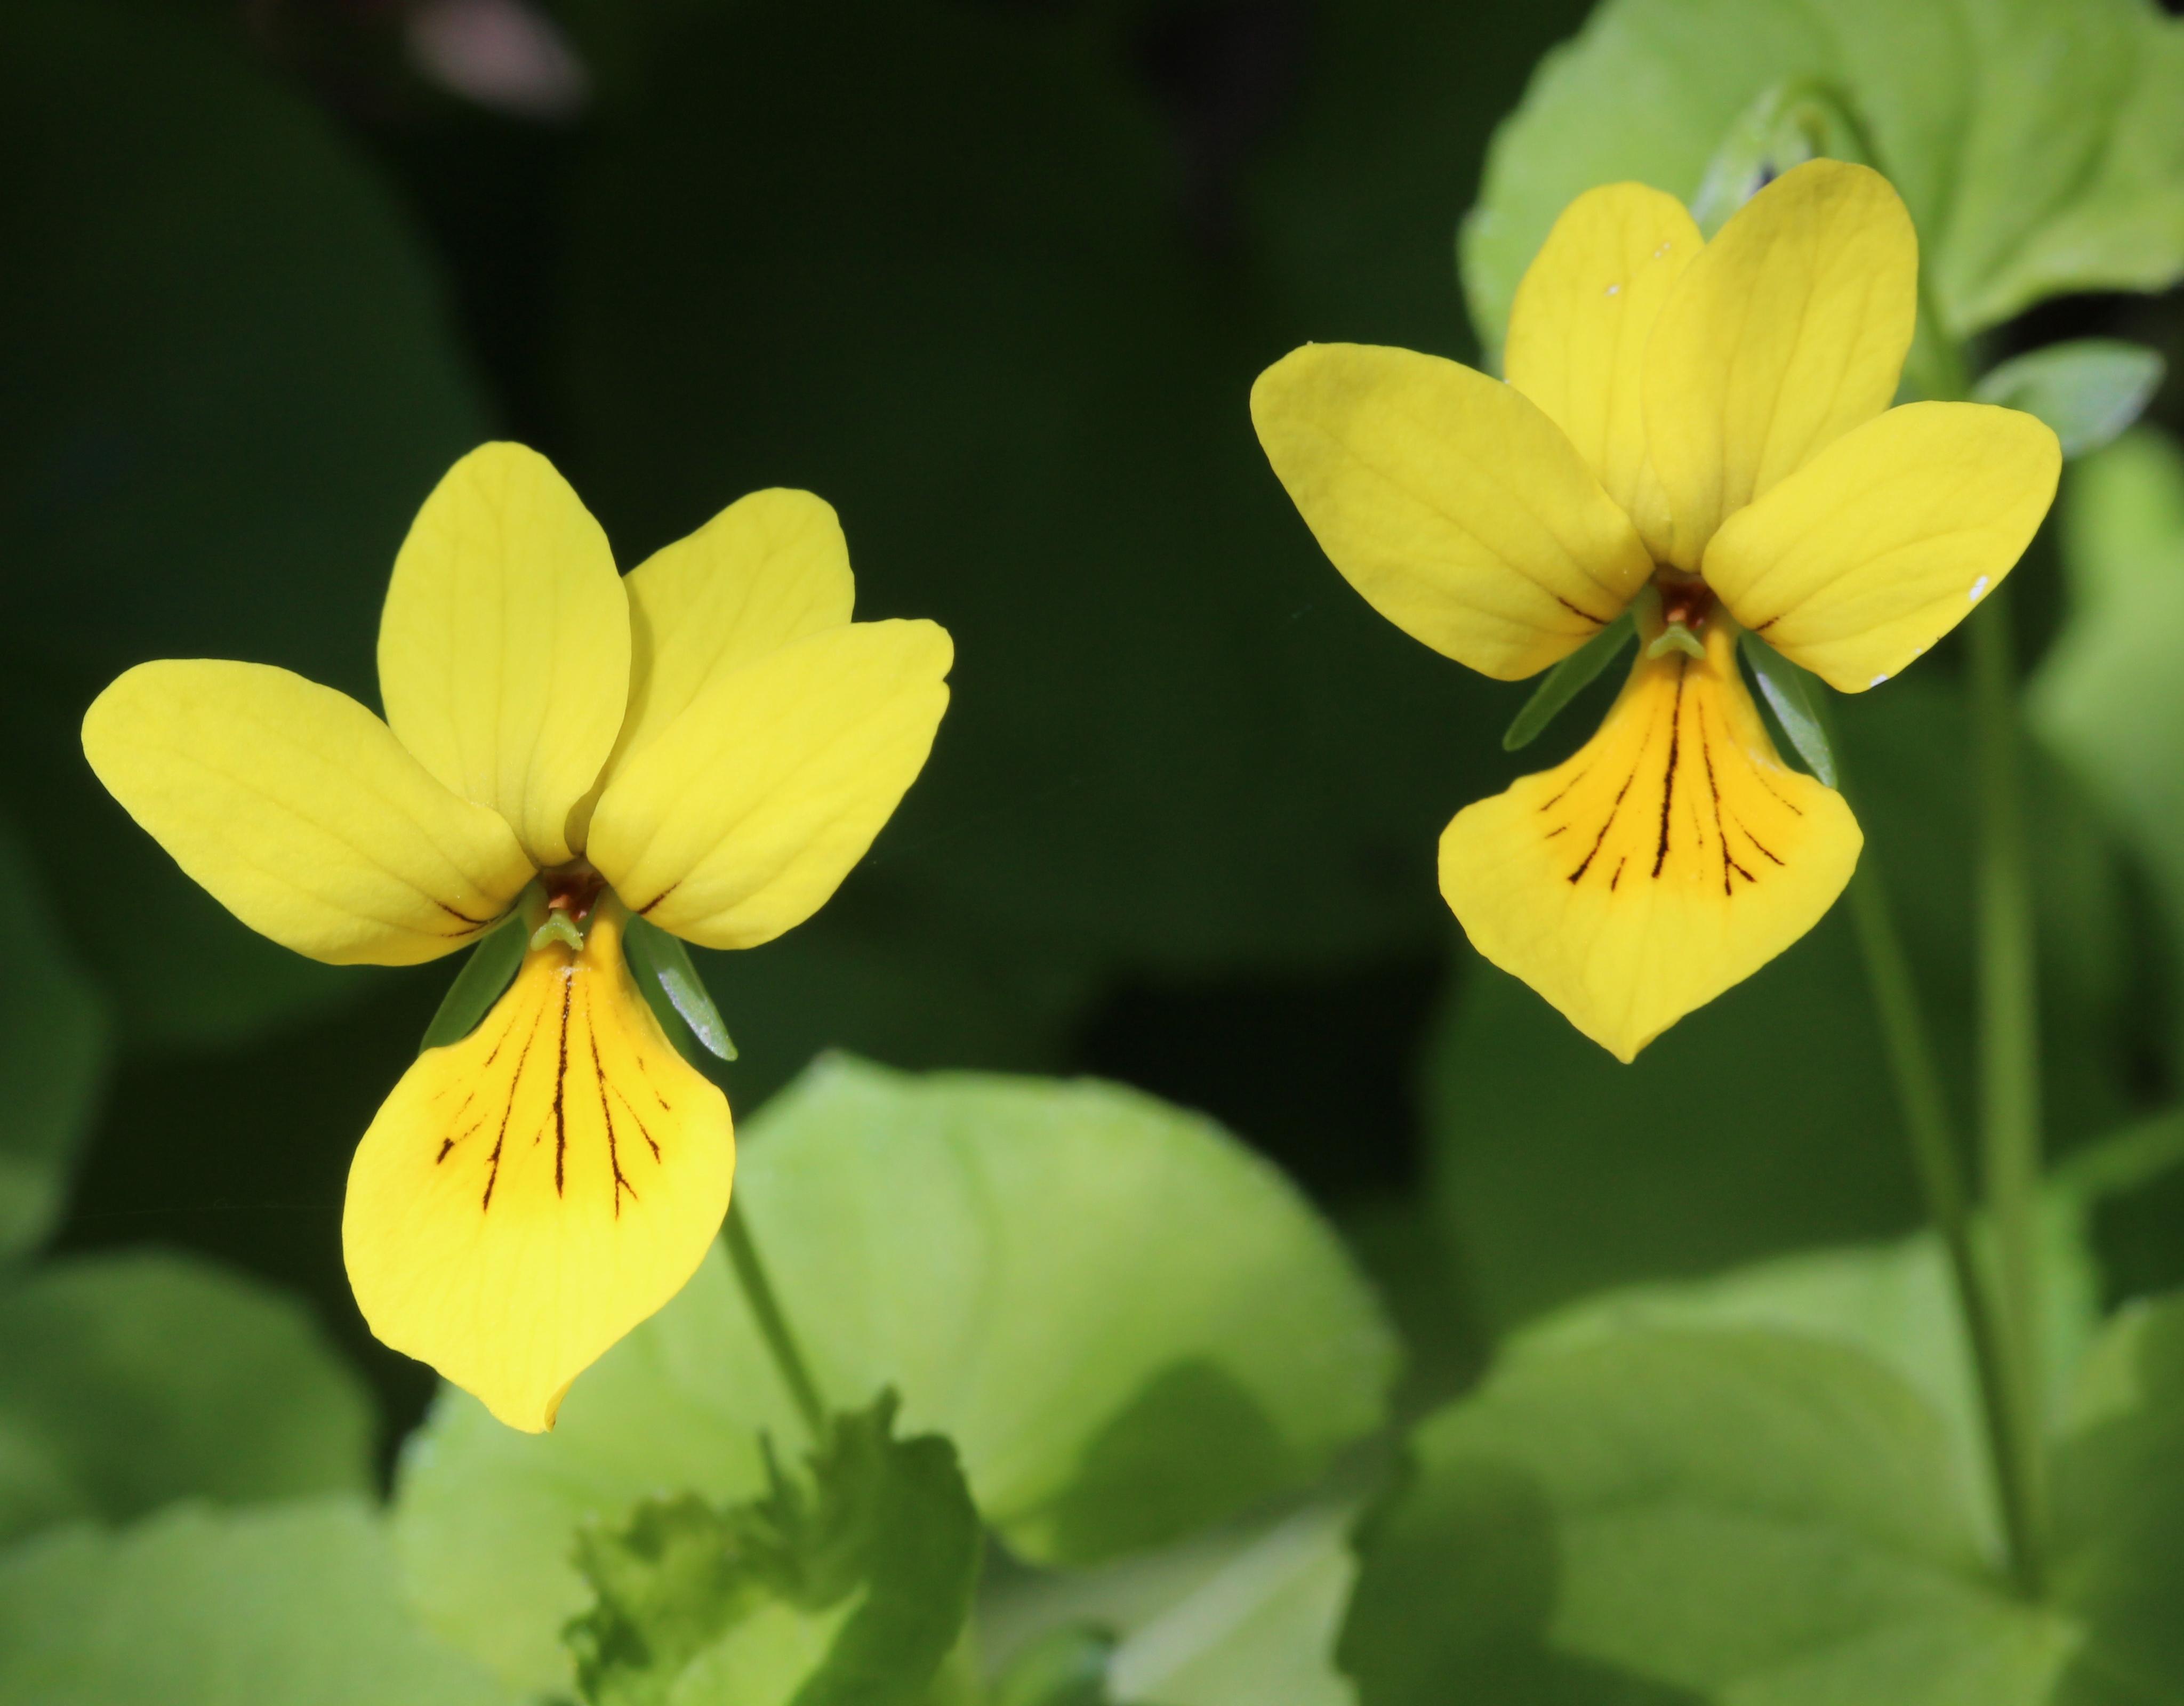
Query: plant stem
773	1325
1934	1151
2009	1030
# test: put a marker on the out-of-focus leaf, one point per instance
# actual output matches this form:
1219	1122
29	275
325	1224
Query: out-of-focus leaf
133	1380
297	1604
1065	1667
487	971
1129	1326
661	965
230	384
52	1056
1242	1616
2088	391
848	1584
2034	140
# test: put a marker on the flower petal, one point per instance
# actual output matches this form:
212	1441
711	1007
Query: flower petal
1672	857
1450	501
1789	330
504	648
530	1194
1860	560
300	813
1578	328
740	818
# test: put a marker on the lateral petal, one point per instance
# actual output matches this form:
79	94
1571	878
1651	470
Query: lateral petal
298	811
1860	560
527	1196
1669	859
1789	329
740	818
1577	332
1457	509
504	647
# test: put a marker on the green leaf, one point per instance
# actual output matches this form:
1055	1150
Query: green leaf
662	965
2034	140
296	1604
127	1381
1789	694
1566	681
1790	123
848	1585
487	971
2088	391
1065	1667
231	382
52	1053
1665	1518
1130	1326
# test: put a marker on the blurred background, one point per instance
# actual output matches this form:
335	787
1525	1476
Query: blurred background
993	277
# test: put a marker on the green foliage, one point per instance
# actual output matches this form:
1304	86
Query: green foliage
1065	1667
2088	390
52	1056
850	1588
2034	140
1565	681
1129	1325
487	972
295	1604
1788	691
661	965
230	384
129	1381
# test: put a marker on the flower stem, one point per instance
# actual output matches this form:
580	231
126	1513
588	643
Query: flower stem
773	1325
2010	1034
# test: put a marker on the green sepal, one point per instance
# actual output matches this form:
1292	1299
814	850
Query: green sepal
1784	685
664	972
1793	121
1066	1667
2088	390
1566	681
850	1582
489	970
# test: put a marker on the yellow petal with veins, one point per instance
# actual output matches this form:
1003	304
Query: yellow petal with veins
1578	328
1457	509
530	1194
1864	557
1672	857
1790	329
504	646
741	818
300	813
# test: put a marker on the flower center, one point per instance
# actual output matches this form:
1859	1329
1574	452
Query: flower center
1685	603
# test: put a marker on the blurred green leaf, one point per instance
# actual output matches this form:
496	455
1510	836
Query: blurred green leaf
847	1585
296	1604
1065	1667
1660	1517
52	1058
662	968
2034	140
2088	390
1129	1326
134	1379
231	382
1565	681
487	971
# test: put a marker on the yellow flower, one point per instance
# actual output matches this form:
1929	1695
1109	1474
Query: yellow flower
711	744
1701	430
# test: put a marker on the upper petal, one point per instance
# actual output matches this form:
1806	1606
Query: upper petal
1789	330
1457	508
739	819
1864	558
1578	328
1669	859
300	813
527	1196
504	648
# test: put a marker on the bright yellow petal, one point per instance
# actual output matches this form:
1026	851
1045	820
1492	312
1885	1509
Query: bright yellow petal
530	1194
1789	330
1865	556
740	818
300	813
1672	857
504	648
1578	328
1458	508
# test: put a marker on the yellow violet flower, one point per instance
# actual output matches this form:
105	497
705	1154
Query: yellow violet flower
1702	430
711	744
